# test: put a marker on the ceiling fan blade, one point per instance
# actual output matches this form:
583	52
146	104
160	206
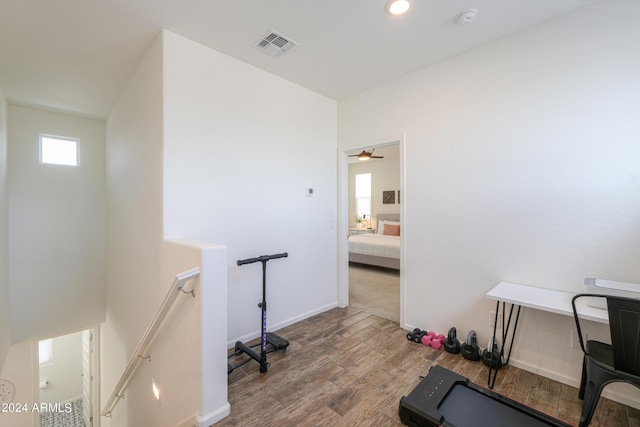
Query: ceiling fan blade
364	155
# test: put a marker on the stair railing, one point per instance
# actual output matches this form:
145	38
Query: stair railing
177	287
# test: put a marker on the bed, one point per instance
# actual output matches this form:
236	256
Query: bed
376	248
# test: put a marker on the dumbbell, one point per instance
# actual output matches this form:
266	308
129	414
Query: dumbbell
417	338
436	342
470	349
433	339
411	334
416	335
426	340
452	344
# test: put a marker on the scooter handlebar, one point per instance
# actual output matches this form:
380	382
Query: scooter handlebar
262	258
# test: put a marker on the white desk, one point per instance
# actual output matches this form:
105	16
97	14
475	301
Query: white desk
550	300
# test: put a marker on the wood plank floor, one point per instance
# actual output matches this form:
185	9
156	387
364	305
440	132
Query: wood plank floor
346	367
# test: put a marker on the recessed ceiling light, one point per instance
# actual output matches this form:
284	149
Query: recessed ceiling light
397	7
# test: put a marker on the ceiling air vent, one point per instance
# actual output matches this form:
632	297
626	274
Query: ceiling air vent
275	44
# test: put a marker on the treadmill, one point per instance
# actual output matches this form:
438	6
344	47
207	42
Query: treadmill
444	398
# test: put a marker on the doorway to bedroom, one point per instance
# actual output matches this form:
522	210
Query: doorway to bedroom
373	189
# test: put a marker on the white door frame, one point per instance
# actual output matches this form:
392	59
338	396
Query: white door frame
343	218
94	382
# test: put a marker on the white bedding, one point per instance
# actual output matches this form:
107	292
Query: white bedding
375	244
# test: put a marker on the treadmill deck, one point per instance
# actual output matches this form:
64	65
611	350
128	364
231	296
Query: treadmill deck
444	398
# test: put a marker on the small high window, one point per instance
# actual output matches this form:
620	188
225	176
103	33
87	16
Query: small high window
58	150
363	194
45	351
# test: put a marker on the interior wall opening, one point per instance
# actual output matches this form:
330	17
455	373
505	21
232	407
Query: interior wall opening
67	380
372	194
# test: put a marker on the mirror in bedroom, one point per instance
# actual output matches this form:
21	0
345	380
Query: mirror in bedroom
374	231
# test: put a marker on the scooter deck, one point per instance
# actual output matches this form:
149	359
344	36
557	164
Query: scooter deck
276	341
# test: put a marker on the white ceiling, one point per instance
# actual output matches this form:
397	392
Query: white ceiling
77	55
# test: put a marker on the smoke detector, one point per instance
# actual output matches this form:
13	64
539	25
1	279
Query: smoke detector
275	44
468	16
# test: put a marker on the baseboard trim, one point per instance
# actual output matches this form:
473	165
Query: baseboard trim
73	399
408	327
213	417
189	422
622	398
284	323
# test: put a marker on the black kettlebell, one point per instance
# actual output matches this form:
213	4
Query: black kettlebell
470	349
451	343
491	356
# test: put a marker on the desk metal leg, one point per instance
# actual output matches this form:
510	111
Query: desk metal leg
505	332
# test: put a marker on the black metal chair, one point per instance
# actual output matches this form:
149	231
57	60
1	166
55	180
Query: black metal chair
606	363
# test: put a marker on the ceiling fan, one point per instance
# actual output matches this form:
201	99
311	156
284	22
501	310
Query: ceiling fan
366	155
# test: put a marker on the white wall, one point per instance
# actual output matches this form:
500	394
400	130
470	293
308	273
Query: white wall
5	337
134	221
21	369
57	227
64	371
188	357
241	146
385	176
521	165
